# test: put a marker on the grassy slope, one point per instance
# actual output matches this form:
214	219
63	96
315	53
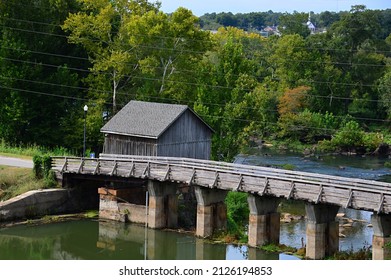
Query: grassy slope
15	181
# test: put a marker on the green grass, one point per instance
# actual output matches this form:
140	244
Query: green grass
28	151
15	181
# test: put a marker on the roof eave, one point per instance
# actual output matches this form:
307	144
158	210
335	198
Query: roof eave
130	134
177	117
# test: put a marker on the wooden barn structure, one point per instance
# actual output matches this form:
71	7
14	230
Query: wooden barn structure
157	129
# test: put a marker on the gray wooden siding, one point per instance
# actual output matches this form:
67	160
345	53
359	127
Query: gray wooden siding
128	145
187	137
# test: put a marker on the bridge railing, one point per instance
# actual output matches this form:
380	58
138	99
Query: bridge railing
256	170
317	188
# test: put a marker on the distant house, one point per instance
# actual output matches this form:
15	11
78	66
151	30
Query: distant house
310	25
157	129
272	30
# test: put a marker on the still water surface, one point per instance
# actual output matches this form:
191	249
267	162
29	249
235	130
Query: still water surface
102	240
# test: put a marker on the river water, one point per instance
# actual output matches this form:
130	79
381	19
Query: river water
357	232
102	240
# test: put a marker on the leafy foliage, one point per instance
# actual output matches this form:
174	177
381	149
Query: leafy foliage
57	56
237	213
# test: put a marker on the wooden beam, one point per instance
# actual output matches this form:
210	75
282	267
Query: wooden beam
168	174
319	198
239	186
132	170
193	177
114	170
265	186
65	165
80	169
216	181
292	190
349	202
96	171
146	172
380	208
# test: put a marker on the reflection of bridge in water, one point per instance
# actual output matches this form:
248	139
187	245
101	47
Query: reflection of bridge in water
167	245
125	180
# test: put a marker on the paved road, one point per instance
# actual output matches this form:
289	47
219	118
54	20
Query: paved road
16	162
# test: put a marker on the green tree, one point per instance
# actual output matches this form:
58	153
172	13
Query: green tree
101	27
384	89
290	61
40	85
294	24
169	50
228	105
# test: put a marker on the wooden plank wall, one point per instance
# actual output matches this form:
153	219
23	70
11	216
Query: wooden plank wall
128	145
187	137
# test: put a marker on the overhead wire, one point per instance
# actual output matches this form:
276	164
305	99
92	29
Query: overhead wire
222	87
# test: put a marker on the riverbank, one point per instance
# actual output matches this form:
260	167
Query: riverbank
382	149
49	219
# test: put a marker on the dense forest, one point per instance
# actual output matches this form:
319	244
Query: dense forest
329	86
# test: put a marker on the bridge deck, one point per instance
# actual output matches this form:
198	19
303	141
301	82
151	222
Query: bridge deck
317	188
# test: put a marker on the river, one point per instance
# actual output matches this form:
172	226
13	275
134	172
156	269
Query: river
357	234
102	240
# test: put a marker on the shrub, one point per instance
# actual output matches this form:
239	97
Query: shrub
37	168
350	136
42	166
237	213
307	126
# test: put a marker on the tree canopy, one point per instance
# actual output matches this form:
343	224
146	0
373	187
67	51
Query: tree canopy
57	56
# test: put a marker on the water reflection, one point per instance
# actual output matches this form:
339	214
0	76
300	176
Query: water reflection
103	240
354	236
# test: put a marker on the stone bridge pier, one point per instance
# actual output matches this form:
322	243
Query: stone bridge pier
163	205
381	236
264	221
322	232
211	211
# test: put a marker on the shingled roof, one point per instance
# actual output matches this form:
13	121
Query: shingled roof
144	119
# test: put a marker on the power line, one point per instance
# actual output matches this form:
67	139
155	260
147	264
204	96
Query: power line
165	99
198	52
197	40
44	93
198	84
202	115
181	71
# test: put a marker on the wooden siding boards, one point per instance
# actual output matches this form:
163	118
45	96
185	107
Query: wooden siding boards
128	145
186	137
179	133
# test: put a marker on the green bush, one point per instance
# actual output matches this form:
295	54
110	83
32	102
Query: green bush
37	167
350	136
237	213
42	166
307	126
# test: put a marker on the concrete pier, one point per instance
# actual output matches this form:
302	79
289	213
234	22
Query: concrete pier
322	233
381	243
211	211
163	205
264	221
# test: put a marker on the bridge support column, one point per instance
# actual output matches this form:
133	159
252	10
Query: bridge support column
264	221
163	205
211	211
381	236
322	231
